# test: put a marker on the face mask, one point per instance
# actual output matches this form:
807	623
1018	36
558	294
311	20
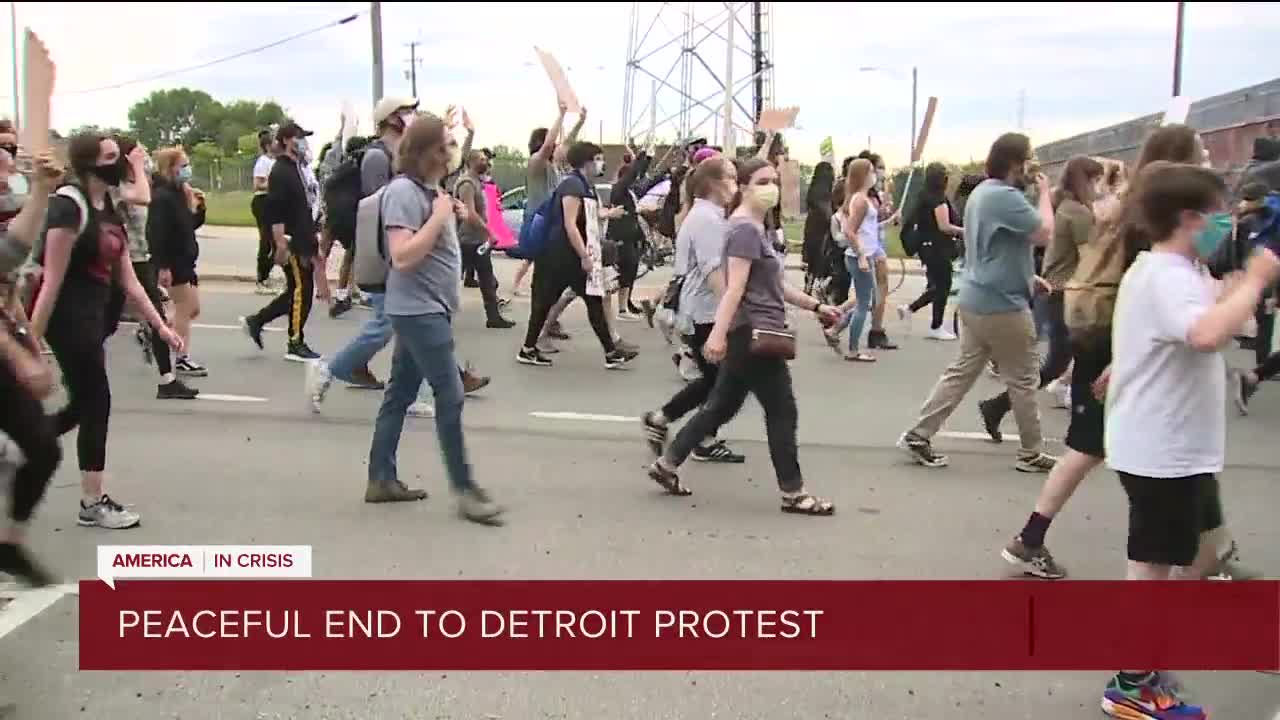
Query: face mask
184	174
766	196
599	167
109	174
1217	228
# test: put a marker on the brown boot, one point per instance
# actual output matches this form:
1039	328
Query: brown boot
471	382
364	379
381	492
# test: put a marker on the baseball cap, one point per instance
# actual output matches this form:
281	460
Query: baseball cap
291	130
387	106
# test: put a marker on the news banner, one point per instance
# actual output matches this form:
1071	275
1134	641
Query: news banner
259	608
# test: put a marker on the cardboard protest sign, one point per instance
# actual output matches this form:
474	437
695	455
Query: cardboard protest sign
918	151
1179	109
775	119
37	86
350	123
559	81
790	177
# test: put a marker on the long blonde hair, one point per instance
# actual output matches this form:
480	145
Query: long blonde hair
855	179
167	160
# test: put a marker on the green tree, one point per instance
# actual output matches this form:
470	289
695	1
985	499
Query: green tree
97	130
509	155
206	162
183	116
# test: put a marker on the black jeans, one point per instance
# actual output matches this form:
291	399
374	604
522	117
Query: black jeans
1056	362
266	243
1266	329
938	290
146	273
551	277
694	394
22	418
628	264
482	267
76	336
769	379
295	301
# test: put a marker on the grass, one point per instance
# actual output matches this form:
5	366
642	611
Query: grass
793	231
229	208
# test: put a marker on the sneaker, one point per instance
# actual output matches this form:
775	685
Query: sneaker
473	383
617	359
629	317
475	505
107	513
1242	390
175	390
655	432
904	313
941	335
1146	700
991	421
340	307
555	332
625	346
533	356
1036	562
16	561
717	452
921	450
299	352
317	383
264	288
253	330
364	379
142	336
190	368
499	323
1038	463
421	409
1061	395
392	492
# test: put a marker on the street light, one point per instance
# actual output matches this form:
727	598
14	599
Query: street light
915	86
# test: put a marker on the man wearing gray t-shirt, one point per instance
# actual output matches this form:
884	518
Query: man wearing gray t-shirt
995	307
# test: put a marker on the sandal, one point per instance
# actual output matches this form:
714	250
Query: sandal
806	504
668	480
860	357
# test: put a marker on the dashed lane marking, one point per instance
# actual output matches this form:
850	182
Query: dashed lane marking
25	604
588	417
212	326
231	398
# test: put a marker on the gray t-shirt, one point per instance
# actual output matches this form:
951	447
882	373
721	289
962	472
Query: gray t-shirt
375	168
471	235
1166	401
998	265
541	180
430	287
12	252
699	253
762	306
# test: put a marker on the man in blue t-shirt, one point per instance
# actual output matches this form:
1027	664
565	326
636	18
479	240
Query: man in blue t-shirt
1001	230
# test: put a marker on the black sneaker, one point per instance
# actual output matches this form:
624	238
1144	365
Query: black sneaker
499	323
532	356
1242	390
555	332
253	330
299	352
175	390
339	308
921	450
143	337
655	433
1036	562
991	421
16	561
879	340
619	358
190	368
718	452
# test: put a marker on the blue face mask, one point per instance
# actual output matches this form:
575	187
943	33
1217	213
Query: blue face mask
184	174
1213	233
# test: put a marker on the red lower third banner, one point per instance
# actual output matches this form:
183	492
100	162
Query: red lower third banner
677	625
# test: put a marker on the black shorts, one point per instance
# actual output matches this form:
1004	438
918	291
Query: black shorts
342	231
1084	434
1168	515
185	275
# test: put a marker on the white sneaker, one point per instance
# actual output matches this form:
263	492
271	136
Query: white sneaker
422	410
1062	396
941	334
108	514
904	313
318	381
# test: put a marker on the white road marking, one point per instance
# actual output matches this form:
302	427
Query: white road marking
231	398
959	435
207	326
27	604
589	417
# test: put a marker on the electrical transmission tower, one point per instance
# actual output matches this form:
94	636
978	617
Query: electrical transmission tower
679	55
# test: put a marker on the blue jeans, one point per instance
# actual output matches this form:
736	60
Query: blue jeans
424	350
864	289
374	335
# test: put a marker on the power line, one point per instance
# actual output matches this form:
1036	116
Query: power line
234	56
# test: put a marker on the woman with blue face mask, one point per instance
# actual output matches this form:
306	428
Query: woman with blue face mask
177	209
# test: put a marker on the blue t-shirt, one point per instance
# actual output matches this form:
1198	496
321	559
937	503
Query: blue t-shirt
998	264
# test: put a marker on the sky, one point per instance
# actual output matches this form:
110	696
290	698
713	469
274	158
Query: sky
1072	67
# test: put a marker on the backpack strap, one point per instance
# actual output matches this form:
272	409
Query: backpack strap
75	195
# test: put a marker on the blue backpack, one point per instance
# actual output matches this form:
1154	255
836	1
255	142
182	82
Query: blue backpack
535	233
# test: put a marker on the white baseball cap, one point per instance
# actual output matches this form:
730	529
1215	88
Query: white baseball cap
387	106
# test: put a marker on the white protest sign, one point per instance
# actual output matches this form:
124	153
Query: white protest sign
559	81
1179	109
202	561
38	79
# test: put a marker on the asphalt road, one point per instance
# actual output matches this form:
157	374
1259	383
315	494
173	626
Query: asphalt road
265	470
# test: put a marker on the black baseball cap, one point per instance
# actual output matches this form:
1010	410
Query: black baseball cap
291	130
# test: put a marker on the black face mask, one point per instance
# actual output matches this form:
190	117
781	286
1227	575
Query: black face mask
109	174
12	149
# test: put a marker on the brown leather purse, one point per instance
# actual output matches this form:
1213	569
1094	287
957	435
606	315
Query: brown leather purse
778	344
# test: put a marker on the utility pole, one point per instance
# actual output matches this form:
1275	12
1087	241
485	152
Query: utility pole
13	24
1177	51
413	67
730	148
375	25
915	91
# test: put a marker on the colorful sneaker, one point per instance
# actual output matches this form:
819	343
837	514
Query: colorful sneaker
1036	562
1146	700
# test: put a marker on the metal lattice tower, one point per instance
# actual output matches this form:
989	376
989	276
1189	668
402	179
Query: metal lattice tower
677	57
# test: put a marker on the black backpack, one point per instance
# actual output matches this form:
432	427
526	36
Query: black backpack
343	192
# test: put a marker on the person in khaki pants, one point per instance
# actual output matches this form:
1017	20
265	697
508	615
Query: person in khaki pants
995	305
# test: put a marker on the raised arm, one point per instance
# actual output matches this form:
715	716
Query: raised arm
26	226
543	155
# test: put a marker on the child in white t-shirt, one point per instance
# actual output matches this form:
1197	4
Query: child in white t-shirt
1166	393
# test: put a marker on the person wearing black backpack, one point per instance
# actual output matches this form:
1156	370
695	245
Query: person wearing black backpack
933	229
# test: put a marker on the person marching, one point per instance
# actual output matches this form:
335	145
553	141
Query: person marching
177	211
258	206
